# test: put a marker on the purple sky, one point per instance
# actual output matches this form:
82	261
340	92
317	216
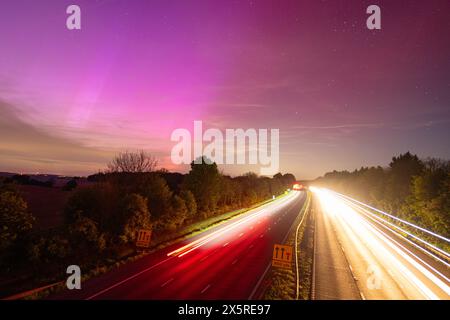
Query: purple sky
341	95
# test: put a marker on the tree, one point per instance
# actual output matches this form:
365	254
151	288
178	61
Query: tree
278	176
15	220
190	203
70	185
429	202
158	194
99	202
86	235
402	169
288	178
133	162
179	212
135	216
204	182
84	202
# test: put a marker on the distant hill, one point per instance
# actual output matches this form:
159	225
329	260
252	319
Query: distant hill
42	179
7	174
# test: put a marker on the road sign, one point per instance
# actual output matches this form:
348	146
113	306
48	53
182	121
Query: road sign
143	238
282	256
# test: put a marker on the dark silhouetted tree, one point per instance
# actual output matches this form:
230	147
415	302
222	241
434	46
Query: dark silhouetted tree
204	182
15	220
133	162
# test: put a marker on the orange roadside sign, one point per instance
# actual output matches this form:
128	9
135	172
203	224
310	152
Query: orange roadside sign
282	256
143	238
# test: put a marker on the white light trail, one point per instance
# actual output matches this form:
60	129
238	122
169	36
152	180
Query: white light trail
390	253
394	217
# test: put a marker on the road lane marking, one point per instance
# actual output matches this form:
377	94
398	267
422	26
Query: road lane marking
167	282
204	258
127	279
205	288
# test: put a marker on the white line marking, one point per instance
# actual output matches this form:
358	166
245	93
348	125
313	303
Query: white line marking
127	279
204	258
167	282
206	288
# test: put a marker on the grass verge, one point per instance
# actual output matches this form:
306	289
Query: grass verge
280	283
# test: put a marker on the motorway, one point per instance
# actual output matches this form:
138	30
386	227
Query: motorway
357	257
224	262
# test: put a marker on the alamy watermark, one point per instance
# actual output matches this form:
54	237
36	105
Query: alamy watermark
73	21
229	147
74	280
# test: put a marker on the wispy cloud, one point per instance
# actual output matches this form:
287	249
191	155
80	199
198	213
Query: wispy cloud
24	147
342	126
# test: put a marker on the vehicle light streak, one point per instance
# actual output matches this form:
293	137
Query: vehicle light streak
353	202
381	221
213	235
394	217
421	260
391	254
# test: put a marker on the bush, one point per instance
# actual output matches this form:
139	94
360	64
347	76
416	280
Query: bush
15	220
70	185
85	235
135	216
190	203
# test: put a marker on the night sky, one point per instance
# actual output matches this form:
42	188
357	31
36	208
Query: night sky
342	96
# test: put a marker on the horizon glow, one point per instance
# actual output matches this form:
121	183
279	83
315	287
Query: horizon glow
342	96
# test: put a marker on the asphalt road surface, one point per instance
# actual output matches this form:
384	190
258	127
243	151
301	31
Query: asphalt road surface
224	262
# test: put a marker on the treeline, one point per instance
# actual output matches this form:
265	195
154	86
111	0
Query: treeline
102	219
413	189
27	180
172	199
